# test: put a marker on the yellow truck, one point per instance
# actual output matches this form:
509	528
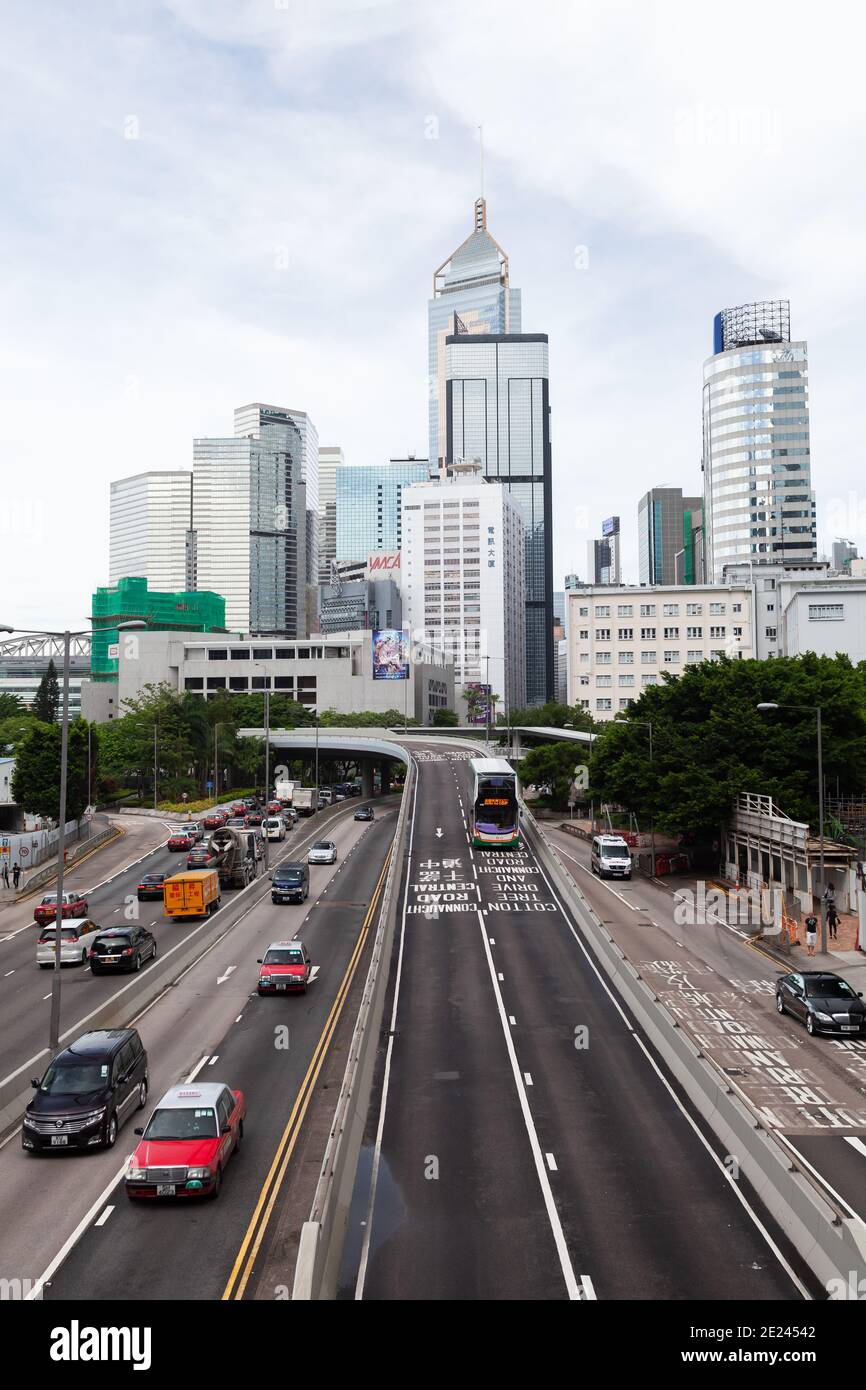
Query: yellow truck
195	893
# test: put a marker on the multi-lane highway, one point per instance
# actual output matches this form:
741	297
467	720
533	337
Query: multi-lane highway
65	1219
523	1142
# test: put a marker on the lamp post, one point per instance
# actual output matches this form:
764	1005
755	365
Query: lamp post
54	1021
816	710
267	768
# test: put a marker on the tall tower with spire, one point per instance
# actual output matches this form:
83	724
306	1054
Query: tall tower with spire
471	294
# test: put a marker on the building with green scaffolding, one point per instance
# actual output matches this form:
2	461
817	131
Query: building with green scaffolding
129	600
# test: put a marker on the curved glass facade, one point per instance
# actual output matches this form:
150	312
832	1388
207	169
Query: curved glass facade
757	469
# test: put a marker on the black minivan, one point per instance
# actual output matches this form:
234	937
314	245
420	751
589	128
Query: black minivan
87	1093
290	883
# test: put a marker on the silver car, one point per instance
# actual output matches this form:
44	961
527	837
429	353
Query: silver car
77	935
322	852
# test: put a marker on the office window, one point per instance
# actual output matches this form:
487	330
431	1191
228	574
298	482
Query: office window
626	634
648	658
716	609
671	658
604	681
695	656
694	610
584	634
602	634
603	704
648	634
602	610
603	658
647	610
624	610
671	610
693	632
649	680
718	632
626	658
240	653
624	704
672	633
826	612
626	679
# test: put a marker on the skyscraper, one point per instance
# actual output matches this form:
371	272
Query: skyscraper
473	284
660	516
843	553
498	413
149	522
250	536
368	505
330	459
603	556
758	500
250	420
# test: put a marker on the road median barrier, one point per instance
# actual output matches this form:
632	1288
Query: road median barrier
831	1242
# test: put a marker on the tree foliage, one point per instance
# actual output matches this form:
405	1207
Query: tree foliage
36	778
553	765
552	715
46	702
444	719
710	742
11	706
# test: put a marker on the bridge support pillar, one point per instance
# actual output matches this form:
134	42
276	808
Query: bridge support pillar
366	779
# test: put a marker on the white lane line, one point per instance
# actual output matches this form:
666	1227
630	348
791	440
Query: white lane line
731	1181
72	1240
527	1078
196	1069
551	1163
213	1059
45	996
588	1289
229	971
500	976
856	1143
512	1020
104	1217
17	932
239	1017
574	1292
8	973
380	1128
631	906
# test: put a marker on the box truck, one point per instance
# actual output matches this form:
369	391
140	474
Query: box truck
195	893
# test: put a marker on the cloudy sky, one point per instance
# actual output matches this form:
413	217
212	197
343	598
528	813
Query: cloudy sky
208	202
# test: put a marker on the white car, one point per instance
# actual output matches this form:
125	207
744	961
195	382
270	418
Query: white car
274	828
322	852
77	935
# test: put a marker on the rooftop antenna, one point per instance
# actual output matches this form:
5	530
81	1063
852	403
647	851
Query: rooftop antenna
481	157
480	203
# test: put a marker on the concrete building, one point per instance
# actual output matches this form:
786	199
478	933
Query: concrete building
472	284
804	608
251	421
661	517
150	519
367	601
758	499
498	415
603	556
368	506
132	600
463	578
326	672
622	638
843	553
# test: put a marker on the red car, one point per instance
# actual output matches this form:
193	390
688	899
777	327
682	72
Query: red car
180	839
239	808
274	808
285	968
187	1142
214	820
253	818
73	906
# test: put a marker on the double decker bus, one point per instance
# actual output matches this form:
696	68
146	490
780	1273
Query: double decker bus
494	811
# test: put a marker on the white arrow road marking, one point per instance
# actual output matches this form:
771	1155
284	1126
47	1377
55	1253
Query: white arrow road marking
439	832
230	970
314	970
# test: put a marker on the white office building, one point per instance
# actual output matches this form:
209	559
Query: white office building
622	639
330	459
758	500
802	608
149	524
463	578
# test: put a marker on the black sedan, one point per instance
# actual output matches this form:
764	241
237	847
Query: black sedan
824	1002
364	813
121	948
150	886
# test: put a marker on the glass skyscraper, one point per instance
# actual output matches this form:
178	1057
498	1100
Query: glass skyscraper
498	413
473	284
758	500
661	517
368	506
251	419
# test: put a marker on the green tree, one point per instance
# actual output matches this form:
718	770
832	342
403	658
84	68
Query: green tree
46	701
552	765
710	742
444	719
36	779
16	727
552	715
10	705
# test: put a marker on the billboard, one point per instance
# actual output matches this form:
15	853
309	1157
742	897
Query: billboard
390	654
383	565
610	527
477	697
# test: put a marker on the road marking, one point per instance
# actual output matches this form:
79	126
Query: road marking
213	1059
239	1017
258	1224
527	1078
104	1217
71	1241
8	973
551	1163
856	1143
314	970
196	1069
574	1292
229	971
512	1020
500	976
377	1148
45	996
492	940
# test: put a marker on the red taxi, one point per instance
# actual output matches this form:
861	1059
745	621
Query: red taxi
285	968
214	820
239	808
274	808
180	839
73	906
187	1142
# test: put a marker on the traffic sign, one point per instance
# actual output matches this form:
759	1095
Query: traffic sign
88	815
24	851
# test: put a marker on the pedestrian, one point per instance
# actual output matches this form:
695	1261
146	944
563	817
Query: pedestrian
5	873
16	874
832	921
811	930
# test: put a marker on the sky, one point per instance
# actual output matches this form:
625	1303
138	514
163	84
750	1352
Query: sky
211	202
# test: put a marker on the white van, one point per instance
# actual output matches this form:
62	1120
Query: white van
611	856
274	828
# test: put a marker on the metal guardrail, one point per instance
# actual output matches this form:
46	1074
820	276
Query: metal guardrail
830	1241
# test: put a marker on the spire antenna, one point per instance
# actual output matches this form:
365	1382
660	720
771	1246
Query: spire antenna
481	157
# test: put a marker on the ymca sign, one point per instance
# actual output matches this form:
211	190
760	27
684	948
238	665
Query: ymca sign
383	565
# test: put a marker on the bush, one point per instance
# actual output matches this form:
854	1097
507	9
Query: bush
177	808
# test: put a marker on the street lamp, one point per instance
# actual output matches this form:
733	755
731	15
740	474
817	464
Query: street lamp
816	710
267	703
54	1023
648	724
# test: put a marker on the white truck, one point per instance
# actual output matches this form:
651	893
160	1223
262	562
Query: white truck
283	792
302	801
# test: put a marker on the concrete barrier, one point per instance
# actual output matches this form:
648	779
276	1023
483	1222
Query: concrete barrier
831	1243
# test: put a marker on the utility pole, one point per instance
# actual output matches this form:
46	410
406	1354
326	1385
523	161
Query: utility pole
155	798
54	1026
267	768
821	835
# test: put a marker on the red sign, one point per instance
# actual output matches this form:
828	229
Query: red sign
383	562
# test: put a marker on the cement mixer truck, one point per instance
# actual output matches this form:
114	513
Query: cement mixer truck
236	859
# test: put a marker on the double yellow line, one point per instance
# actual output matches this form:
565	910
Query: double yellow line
251	1243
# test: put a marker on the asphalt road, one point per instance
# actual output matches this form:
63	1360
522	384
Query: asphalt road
529	1147
69	1210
